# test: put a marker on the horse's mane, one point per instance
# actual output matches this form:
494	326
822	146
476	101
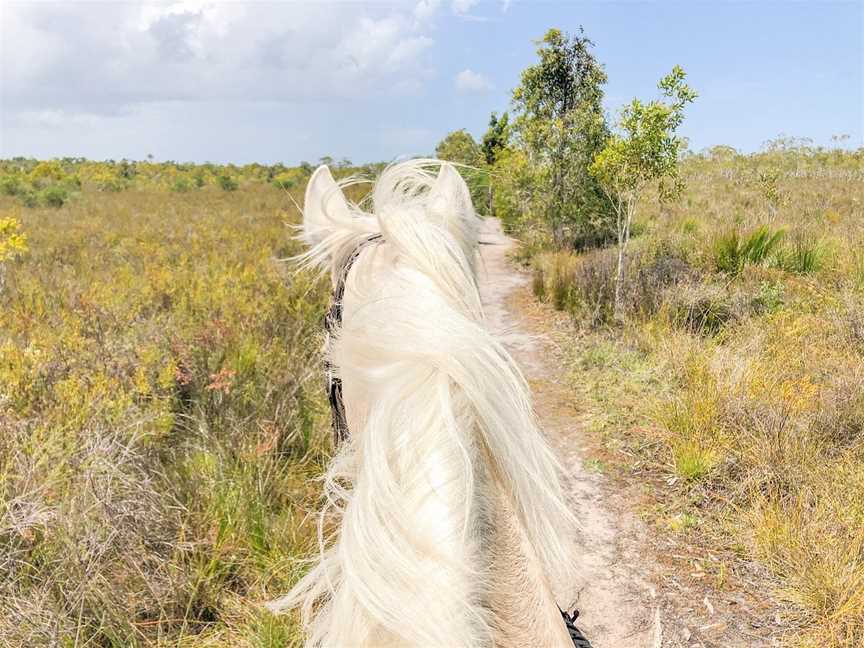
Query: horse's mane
450	419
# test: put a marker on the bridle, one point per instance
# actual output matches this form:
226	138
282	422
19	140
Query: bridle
332	323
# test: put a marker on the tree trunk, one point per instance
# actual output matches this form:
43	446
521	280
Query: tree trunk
623	238
558	235
619	278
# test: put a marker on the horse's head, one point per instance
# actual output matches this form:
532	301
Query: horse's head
333	226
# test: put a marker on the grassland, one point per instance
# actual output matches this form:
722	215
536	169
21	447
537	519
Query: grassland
734	386
161	414
162	419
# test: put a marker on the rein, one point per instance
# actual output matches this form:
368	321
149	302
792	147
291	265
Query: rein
332	323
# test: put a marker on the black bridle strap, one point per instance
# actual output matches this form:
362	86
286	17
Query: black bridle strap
332	323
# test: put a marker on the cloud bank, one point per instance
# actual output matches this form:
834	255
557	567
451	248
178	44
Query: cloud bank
99	72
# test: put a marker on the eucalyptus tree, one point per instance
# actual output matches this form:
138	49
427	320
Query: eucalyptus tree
560	125
643	151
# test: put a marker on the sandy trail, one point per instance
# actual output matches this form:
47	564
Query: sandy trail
635	588
617	603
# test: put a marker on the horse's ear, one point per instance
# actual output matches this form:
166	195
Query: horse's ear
324	208
449	193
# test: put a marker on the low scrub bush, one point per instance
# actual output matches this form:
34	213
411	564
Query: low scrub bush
181	185
585	284
11	185
538	283
704	309
53	196
693	461
227	183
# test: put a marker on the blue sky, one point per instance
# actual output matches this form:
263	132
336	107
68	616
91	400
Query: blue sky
290	81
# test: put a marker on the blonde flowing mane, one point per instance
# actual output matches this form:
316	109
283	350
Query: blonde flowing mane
445	470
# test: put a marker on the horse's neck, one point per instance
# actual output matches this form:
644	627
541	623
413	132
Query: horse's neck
521	602
447	485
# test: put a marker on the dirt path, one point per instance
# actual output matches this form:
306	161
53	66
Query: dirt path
616	601
628	596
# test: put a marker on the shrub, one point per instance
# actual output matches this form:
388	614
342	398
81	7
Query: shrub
585	284
12	241
593	292
651	275
53	196
769	298
181	185
286	180
28	198
227	183
701	308
107	180
538	284
71	182
693	461
45	173
10	185
561	280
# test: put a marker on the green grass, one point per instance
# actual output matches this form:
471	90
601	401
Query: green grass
733	251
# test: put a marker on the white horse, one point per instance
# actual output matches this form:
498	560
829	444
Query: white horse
453	528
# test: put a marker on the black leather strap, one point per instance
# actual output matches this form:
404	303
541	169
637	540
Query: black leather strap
579	640
332	322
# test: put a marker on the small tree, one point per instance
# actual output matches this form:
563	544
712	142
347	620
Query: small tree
459	147
559	123
645	150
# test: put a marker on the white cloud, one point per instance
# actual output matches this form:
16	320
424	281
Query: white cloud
462	7
105	57
470	81
425	10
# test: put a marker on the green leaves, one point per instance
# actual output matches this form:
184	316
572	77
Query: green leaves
496	138
459	147
560	125
646	147
732	250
